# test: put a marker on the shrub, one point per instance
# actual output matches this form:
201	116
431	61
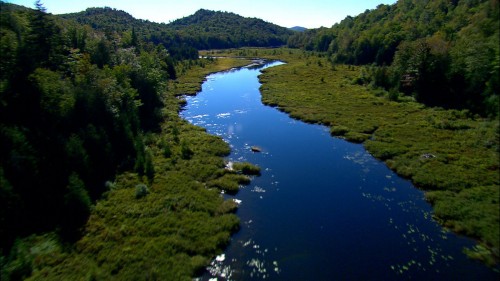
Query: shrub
141	190
393	95
149	168
167	151
77	205
20	263
186	152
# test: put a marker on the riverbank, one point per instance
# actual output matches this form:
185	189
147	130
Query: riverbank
452	155
169	228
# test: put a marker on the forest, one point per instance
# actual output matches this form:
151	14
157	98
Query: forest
442	53
69	93
89	115
201	31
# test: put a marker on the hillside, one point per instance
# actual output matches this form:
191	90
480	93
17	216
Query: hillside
203	30
215	30
443	53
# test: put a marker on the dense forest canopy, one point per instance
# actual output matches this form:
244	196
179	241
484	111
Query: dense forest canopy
74	105
216	30
203	30
443	53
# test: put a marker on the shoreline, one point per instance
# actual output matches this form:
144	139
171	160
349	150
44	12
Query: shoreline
465	164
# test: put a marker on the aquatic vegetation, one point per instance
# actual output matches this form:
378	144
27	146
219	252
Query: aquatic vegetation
246	168
229	182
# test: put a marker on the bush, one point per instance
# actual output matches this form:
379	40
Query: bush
186	152
167	151
20	263
393	95
149	168
77	205
141	190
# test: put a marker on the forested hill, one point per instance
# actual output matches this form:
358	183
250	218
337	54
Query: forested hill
442	52
211	30
109	19
203	30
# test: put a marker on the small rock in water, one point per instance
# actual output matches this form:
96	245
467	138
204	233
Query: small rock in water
256	149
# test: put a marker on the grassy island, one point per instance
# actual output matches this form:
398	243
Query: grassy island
452	155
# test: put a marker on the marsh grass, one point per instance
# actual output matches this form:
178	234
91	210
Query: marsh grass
246	168
166	227
462	179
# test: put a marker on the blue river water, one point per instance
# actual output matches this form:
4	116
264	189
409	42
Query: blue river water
323	208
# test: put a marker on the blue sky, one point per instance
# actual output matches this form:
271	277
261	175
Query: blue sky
287	13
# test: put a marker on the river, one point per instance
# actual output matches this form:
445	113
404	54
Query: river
323	208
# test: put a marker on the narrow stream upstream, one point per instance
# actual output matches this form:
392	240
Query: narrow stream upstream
323	208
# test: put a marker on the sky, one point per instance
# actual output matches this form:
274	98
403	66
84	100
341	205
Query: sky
286	13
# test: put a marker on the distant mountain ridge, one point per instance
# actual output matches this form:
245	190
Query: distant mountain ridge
107	18
203	30
298	28
227	30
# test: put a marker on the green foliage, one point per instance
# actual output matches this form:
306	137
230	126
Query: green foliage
219	30
246	168
31	254
203	30
229	182
77	200
186	152
19	266
167	151
69	93
338	130
440	52
141	190
465	212
149	169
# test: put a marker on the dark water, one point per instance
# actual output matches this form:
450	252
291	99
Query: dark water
323	209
